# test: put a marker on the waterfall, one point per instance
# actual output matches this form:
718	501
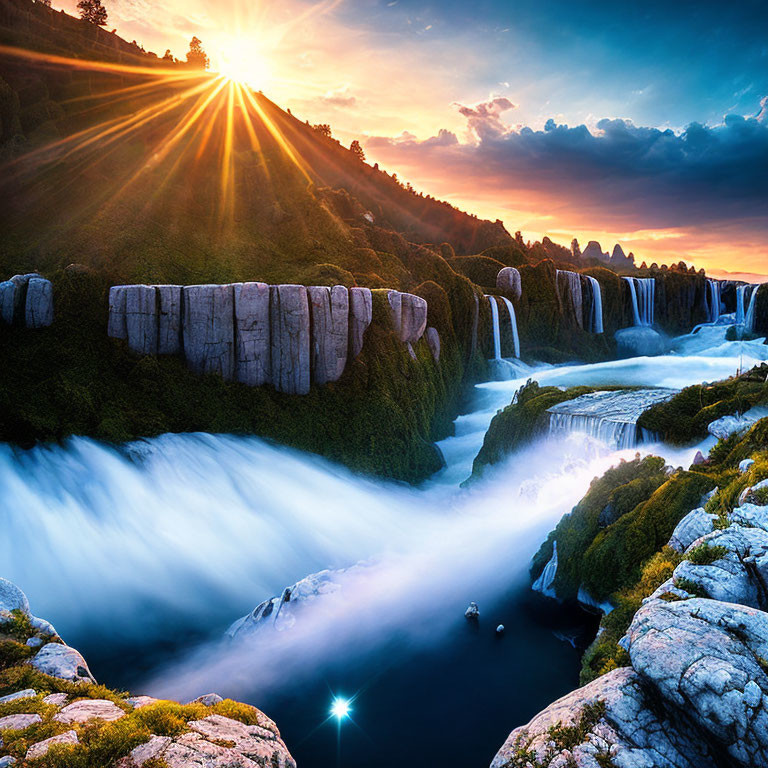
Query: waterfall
547	577
714	300
608	416
643	293
496	328
513	324
596	324
749	319
740	303
569	287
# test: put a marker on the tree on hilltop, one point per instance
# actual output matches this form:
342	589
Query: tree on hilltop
357	150
196	56
93	11
324	129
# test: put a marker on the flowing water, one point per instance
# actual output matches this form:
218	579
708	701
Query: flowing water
142	556
642	291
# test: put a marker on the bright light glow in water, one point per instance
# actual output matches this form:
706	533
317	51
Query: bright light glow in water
340	709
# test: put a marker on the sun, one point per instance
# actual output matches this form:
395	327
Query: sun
239	59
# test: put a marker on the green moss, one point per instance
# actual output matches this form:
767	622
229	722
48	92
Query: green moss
705	554
691	587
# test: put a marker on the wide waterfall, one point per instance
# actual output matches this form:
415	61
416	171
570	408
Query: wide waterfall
495	327
714	303
513	324
643	293
610	417
596	321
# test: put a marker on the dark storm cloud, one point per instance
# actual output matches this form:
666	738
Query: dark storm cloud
636	175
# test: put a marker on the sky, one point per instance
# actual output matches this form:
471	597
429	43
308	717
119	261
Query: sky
639	123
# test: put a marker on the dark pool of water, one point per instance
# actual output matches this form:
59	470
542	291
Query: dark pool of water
451	703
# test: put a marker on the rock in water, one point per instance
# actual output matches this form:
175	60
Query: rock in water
253	364
289	315
500	629
472	612
360	316
508	279
169	319
209	329
433	340
116	324
141	318
639	342
39	303
330	331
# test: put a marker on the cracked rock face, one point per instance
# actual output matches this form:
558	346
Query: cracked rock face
433	340
508	279
116	324
329	309
141	318
13	294
39	749
62	661
289	316
360	316
38	311
209	329
704	657
693	526
89	709
253	353
169	319
630	732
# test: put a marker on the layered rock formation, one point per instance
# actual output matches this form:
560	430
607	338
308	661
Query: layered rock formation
92	725
27	300
284	335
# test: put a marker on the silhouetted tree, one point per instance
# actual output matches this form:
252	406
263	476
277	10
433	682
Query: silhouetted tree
93	11
168	56
356	149
47	3
196	56
324	129
575	248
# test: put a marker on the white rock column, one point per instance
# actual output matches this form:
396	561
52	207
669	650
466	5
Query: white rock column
329	308
13	294
208	329
141	318
413	317
38	311
396	310
289	316
509	280
169	319
116	324
360	316
433	340
252	339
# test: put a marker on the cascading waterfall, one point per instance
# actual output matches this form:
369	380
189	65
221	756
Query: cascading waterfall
749	319
713	288
496	328
596	324
513	324
547	577
569	287
741	291
607	415
643	293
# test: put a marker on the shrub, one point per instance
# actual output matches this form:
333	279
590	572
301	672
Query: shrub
705	554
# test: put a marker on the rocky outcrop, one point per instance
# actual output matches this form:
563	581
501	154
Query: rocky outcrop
27	300
433	340
360	316
209	731
329	310
508	279
289	317
284	335
209	329
693	526
253	364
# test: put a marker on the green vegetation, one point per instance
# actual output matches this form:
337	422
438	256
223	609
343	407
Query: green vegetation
705	554
686	416
521	421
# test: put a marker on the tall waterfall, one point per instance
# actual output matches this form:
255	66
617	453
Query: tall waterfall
713	294
741	291
643	293
513	324
596	321
749	319
569	288
496	327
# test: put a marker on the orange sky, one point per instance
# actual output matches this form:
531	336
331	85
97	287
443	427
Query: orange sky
328	66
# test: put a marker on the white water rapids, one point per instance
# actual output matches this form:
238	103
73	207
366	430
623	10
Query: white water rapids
205	527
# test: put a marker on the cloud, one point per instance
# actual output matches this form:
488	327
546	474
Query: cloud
484	119
340	97
617	175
